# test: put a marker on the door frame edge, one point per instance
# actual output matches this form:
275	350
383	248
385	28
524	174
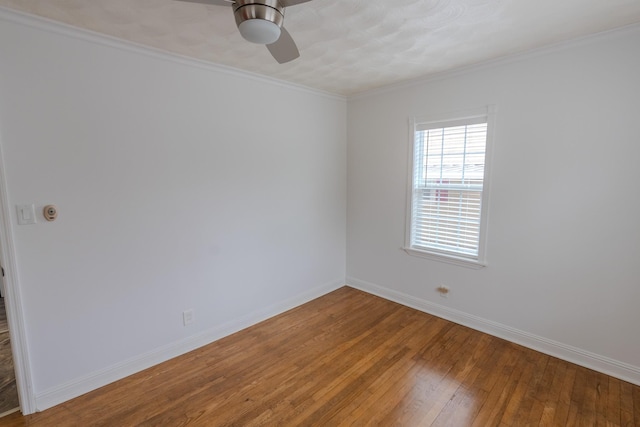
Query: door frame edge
13	301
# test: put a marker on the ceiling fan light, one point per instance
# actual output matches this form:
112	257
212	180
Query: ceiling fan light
259	31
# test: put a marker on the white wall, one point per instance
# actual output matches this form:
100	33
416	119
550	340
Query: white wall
564	224
179	186
183	186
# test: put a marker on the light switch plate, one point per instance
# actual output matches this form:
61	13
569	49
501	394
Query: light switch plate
26	214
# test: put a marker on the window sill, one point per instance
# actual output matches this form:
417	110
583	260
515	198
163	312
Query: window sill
449	259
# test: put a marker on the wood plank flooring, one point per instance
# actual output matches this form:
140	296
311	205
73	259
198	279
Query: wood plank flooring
8	389
4	325
352	359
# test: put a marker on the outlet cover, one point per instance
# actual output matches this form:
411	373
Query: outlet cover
26	214
187	317
443	291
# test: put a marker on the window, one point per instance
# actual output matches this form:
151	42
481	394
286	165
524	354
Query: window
447	204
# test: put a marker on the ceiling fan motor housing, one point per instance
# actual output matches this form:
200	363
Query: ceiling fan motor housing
259	21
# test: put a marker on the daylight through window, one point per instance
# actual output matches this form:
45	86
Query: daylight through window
446	210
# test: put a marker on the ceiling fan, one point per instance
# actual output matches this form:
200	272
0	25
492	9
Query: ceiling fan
260	21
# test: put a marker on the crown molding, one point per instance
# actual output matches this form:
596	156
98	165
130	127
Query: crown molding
51	26
502	60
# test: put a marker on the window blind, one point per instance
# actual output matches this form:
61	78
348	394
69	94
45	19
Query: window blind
448	178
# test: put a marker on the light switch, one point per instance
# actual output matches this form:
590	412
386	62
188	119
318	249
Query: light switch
26	214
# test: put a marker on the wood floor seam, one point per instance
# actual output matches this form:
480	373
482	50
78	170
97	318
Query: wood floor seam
353	359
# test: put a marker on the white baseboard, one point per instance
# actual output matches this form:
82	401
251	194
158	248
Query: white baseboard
581	357
95	380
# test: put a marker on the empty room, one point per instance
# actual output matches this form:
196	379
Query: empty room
319	213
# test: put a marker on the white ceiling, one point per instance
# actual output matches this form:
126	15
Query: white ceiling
348	46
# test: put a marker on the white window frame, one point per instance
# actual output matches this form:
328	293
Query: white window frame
447	120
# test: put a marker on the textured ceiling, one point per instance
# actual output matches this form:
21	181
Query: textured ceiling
348	46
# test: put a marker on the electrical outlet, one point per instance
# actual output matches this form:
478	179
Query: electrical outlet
187	317
443	291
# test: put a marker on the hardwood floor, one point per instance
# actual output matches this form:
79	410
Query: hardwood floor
8	390
352	359
4	325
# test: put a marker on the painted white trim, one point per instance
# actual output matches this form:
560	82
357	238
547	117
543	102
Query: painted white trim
13	300
46	24
606	365
488	113
9	412
446	258
503	60
49	25
95	380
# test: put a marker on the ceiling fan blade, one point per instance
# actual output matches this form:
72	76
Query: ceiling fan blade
213	2
287	3
284	49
